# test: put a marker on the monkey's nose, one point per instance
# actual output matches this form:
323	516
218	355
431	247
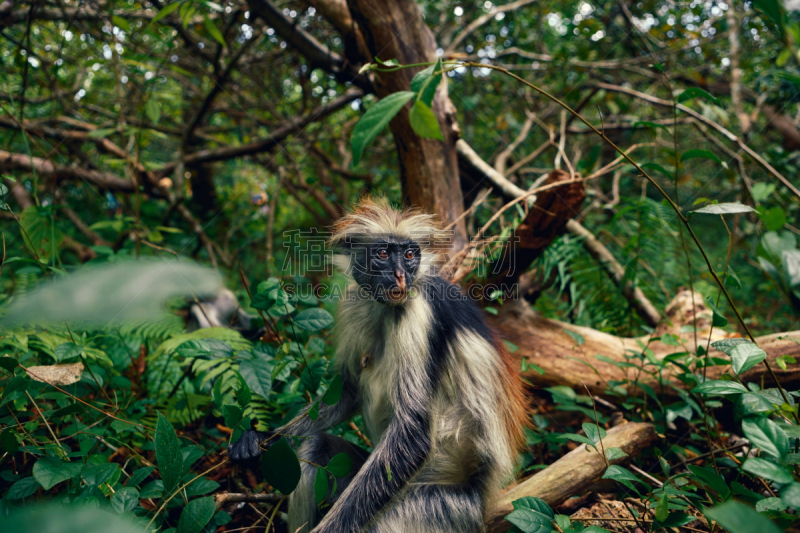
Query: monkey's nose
400	277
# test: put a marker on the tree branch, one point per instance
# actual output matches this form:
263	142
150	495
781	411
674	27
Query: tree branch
483	19
266	143
104	180
727	134
595	248
317	54
572	473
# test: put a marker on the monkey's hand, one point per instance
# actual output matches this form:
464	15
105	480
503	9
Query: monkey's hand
248	448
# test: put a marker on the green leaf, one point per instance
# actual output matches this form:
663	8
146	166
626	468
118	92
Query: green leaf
711	479
719	388
280	467
68	410
23	488
702	154
8	363
614	453
313	412
243	394
657	168
125	499
774	218
618	473
202	486
696	92
662	509
423	122
728	208
374	120
214	31
9	440
563	521
770	504
269	295
139	475
577	438
790	495
579	340
168	454
529	521
534	504
232	414
153	110
334	392
718	320
739	518
746	356
101	133
165	11
257	373
320	485
761	191
726	346
391	63
66	351
95	475
50	471
593	431
767	435
340	465
313	319
771	8
121	23
767	470
196	515
426	82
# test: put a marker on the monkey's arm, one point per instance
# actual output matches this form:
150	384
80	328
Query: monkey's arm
399	454
249	445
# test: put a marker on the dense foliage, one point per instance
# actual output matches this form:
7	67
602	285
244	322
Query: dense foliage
195	131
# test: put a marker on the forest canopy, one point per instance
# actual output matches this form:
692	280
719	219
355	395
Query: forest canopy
619	181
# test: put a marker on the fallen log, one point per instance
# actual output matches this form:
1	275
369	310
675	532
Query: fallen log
566	361
572	473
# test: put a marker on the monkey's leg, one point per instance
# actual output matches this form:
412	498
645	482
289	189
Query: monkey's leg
304	513
433	509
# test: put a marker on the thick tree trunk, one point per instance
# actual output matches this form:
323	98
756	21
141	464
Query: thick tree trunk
565	361
428	168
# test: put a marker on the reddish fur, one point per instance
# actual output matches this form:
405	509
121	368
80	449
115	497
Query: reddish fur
516	414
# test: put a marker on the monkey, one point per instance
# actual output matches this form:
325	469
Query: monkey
438	392
221	310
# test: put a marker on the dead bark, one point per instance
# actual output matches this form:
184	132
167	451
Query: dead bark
546	220
544	342
572	473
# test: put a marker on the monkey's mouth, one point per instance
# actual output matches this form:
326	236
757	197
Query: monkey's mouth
397	294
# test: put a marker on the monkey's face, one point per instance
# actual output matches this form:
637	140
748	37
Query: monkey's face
386	269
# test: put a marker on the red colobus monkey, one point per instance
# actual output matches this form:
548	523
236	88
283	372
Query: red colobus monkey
439	395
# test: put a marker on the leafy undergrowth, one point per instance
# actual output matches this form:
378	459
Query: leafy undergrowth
140	425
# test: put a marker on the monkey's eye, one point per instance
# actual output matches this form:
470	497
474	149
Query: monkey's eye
409	254
383	254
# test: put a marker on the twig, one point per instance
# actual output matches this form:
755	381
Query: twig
671	202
